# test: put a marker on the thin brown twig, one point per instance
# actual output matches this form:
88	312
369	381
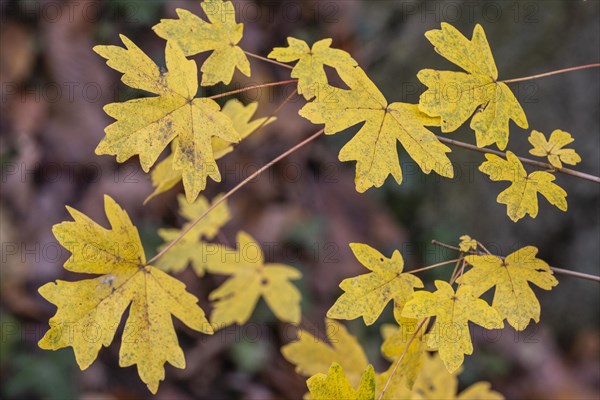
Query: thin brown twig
245	89
557	270
559	71
414	271
535	163
268	60
234	190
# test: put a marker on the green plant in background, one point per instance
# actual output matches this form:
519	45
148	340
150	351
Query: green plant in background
426	346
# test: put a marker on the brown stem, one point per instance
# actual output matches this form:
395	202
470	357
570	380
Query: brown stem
268	60
535	163
234	190
560	71
557	270
433	266
262	85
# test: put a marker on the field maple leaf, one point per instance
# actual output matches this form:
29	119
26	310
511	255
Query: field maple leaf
90	310
312	355
250	278
221	35
145	126
513	297
367	295
455	96
191	248
553	148
335	385
453	311
164	176
310	61
374	146
521	196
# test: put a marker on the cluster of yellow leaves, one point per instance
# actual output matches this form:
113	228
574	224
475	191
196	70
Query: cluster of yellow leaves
455	96
521	196
221	35
250	278
90	310
164	176
339	369
553	148
407	342
145	126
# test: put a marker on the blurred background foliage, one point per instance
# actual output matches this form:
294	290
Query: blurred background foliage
305	210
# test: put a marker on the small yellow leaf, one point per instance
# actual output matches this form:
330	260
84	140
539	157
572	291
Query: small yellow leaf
309	68
374	146
311	355
395	344
90	310
513	298
455	96
521	195
467	243
335	385
367	295
191	249
450	333
164	177
250	279
145	126
220	35
553	148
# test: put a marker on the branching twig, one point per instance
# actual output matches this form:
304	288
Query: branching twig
535	163
556	270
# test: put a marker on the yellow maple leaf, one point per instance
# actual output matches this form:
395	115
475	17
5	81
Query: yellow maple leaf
467	243
553	148
455	96
90	310
521	196
335	385
374	146
395	342
367	295
250	279
220	35
310	61
513	298
450	333
311	355
191	248
145	126
164	177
